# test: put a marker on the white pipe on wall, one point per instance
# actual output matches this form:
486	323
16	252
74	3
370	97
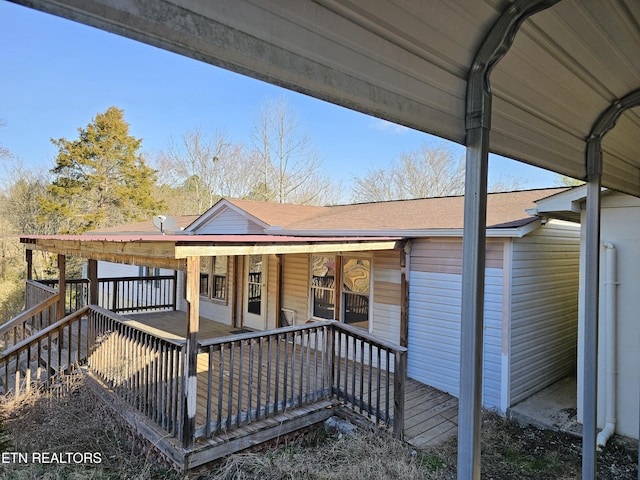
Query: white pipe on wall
611	367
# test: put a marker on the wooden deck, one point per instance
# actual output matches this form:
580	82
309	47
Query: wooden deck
431	416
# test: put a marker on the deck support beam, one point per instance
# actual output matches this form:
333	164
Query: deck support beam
190	389
478	126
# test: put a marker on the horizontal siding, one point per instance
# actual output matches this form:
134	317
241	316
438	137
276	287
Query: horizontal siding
434	332
230	222
295	295
544	308
445	255
220	311
387	259
386	322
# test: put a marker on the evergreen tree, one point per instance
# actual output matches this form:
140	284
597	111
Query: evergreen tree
100	179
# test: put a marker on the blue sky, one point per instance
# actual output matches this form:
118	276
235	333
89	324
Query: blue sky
57	75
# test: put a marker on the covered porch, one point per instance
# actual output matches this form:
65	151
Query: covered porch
196	388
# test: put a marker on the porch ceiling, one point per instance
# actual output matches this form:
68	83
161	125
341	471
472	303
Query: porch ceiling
408	62
170	251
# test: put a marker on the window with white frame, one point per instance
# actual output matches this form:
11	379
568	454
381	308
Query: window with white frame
213	277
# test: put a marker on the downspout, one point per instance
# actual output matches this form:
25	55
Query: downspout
611	367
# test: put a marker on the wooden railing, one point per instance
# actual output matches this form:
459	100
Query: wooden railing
253	376
36	293
122	294
143	369
369	375
247	377
43	357
29	322
250	377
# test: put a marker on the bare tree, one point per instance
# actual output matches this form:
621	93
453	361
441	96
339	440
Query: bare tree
289	165
426	172
204	168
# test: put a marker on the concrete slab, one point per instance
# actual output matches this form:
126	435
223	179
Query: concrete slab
554	408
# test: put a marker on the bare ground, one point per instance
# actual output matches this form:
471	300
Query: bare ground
76	421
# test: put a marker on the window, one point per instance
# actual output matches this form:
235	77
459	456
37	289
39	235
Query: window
355	289
323	288
356	285
213	277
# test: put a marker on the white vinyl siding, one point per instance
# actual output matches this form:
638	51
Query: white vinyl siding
387	295
229	222
220	311
295	287
544	308
435	294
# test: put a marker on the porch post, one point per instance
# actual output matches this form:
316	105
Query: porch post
62	286
190	389
29	259
92	274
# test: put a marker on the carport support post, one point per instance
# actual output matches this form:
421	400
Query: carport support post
591	305
190	388
471	328
590	350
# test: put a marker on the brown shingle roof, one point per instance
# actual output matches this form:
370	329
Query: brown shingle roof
503	210
277	214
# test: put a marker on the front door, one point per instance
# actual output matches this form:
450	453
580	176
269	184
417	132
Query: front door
255	292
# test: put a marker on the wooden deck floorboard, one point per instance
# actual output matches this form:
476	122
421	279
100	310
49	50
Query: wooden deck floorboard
430	415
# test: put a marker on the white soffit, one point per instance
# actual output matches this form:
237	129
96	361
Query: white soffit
407	62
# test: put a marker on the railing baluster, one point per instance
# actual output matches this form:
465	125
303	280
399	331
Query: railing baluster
240	379
230	395
259	386
209	391
250	382
220	390
269	361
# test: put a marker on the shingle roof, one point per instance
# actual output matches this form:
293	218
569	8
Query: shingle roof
503	210
277	214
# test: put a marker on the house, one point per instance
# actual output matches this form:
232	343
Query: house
295	312
618	328
409	294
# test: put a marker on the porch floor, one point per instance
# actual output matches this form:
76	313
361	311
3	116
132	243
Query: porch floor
431	416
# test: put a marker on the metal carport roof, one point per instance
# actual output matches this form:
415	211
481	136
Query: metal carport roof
529	79
408	62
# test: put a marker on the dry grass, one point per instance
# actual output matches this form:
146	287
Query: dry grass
75	421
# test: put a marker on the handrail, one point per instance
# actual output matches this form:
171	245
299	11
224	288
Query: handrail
135	325
31	312
60	347
36	292
29	321
366	336
263	333
41	333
